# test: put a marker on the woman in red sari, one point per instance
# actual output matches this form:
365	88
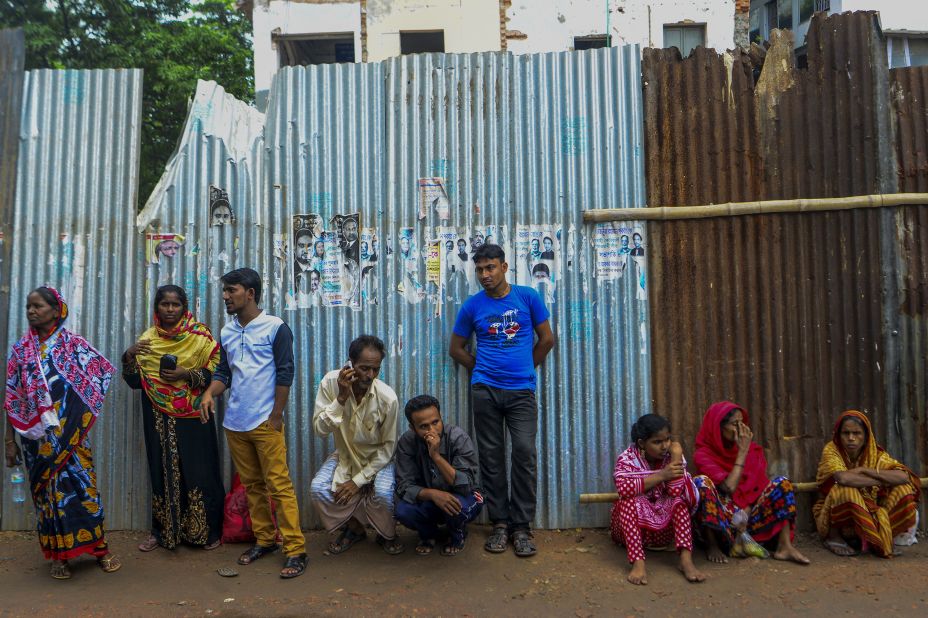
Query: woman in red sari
735	479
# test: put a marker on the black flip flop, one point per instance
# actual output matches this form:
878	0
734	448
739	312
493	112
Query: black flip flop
294	562
256	551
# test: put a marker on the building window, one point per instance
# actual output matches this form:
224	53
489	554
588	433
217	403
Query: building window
685	37
594	41
770	18
907	51
822	5
326	48
422	42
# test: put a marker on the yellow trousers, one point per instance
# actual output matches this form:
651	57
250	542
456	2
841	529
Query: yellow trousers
260	456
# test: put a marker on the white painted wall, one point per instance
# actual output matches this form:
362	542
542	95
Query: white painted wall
469	25
909	15
284	17
551	25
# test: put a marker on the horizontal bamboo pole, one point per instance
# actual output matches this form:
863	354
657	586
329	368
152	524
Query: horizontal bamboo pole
612	496
736	209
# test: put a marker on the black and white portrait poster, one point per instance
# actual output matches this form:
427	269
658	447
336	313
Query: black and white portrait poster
347	232
220	209
308	256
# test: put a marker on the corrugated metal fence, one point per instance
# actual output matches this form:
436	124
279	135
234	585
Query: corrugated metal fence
73	227
795	316
341	139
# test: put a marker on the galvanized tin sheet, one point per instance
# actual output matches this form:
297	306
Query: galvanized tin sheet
12	59
783	314
520	141
76	186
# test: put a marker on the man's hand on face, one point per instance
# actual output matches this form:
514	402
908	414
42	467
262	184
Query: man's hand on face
346	379
433	440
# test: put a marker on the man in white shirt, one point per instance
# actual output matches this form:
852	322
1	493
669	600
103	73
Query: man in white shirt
256	365
355	485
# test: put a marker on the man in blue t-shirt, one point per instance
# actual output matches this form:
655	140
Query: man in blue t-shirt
505	319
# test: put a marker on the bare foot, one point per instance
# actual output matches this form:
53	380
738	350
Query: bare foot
638	576
791	553
714	553
689	570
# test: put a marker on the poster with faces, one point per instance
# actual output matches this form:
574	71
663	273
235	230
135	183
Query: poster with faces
538	258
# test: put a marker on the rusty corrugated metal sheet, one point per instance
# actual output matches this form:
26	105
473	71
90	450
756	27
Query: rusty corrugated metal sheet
910	107
781	313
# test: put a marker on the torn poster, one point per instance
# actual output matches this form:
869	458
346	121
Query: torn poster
308	258
347	238
160	246
411	284
620	249
432	195
458	245
370	247
220	209
433	273
537	258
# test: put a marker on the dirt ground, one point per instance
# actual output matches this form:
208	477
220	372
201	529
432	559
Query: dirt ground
576	573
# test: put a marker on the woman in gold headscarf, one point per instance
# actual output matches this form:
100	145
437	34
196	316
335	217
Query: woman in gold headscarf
867	497
183	453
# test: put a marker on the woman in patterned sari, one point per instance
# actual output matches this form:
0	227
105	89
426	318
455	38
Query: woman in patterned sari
735	479
867	496
183	453
55	385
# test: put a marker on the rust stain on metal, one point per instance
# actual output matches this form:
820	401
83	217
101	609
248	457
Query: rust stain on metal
781	313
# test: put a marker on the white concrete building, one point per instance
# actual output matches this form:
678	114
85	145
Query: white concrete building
904	22
550	25
300	32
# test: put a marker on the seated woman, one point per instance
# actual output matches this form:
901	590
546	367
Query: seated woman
735	478
656	498
867	496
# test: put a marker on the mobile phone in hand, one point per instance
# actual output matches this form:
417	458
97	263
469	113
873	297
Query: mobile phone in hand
168	361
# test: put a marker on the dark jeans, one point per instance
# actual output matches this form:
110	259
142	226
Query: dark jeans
424	517
518	411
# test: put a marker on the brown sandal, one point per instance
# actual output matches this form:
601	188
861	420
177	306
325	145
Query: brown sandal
215	544
149	544
61	570
109	563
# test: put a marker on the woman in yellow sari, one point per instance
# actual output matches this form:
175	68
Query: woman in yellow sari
183	453
867	497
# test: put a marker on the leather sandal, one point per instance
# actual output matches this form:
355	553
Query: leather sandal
256	551
297	563
498	539
109	563
61	571
523	543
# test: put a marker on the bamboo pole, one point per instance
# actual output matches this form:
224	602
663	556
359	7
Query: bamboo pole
737	209
612	496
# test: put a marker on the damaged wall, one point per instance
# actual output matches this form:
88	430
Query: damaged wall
790	315
513	146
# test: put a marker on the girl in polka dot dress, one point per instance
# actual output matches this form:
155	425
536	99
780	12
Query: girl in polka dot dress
657	497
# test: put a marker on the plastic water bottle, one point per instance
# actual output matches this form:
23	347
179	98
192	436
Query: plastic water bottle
18	483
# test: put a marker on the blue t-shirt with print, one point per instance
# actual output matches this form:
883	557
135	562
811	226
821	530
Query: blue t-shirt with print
505	329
